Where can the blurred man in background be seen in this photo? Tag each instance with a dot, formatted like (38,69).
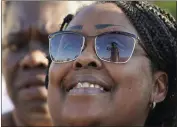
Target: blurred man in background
(25,46)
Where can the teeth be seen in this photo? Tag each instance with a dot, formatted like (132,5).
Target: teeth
(85,84)
(91,85)
(79,85)
(97,86)
(88,85)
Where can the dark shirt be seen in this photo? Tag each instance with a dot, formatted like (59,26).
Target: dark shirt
(7,120)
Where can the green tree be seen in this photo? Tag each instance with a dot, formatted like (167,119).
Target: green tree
(169,6)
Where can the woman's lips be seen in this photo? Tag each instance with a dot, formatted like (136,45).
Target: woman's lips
(87,84)
(85,91)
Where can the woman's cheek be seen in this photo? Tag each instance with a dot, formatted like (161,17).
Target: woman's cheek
(58,71)
(134,76)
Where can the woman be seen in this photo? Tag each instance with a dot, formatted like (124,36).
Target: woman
(87,87)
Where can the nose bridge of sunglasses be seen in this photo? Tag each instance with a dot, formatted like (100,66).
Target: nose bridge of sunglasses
(89,44)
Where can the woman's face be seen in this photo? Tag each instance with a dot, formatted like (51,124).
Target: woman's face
(130,84)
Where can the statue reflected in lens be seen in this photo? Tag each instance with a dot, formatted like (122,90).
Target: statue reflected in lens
(114,52)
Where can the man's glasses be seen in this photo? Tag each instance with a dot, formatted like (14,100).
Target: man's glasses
(116,47)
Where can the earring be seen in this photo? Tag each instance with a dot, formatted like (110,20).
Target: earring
(153,105)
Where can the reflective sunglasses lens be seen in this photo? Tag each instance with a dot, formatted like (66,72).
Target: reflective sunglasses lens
(115,47)
(65,46)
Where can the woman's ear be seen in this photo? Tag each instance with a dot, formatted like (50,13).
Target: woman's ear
(160,86)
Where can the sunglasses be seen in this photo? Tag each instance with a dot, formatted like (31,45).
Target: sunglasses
(116,47)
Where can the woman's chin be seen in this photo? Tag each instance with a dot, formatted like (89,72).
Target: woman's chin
(84,110)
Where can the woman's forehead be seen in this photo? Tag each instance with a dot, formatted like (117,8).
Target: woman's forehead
(97,14)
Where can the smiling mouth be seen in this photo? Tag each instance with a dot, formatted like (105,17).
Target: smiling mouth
(87,88)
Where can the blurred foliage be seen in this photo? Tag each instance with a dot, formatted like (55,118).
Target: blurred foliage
(169,6)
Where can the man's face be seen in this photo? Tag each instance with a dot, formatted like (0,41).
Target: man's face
(26,30)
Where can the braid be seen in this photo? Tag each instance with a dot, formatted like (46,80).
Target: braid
(66,21)
(157,29)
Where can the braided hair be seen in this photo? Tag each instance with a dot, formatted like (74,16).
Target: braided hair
(158,32)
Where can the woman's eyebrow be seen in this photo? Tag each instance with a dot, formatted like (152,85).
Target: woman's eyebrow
(77,27)
(97,26)
(102,26)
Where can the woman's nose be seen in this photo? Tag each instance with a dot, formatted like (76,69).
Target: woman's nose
(87,59)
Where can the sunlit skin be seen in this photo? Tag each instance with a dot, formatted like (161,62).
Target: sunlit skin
(133,87)
(26,27)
